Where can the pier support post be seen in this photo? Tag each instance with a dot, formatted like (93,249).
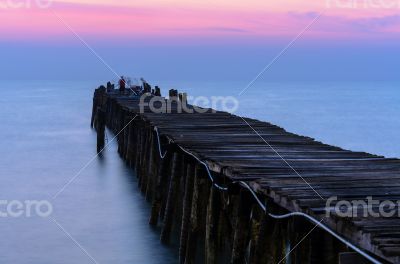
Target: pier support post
(150,169)
(187,207)
(100,125)
(157,91)
(323,248)
(256,218)
(94,110)
(263,251)
(241,228)
(161,181)
(170,207)
(271,244)
(300,238)
(351,258)
(98,101)
(212,225)
(143,159)
(138,152)
(130,155)
(197,218)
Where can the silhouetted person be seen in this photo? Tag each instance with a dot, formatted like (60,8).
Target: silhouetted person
(122,85)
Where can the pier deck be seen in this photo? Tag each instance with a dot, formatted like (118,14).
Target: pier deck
(292,173)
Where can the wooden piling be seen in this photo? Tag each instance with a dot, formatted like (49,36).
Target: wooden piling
(94,110)
(187,207)
(173,94)
(100,128)
(197,217)
(138,148)
(150,168)
(256,218)
(157,91)
(98,101)
(351,258)
(171,199)
(264,248)
(161,181)
(241,228)
(212,226)
(144,173)
(130,155)
(300,240)
(324,248)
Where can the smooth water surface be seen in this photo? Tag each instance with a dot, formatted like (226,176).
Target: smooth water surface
(357,116)
(46,140)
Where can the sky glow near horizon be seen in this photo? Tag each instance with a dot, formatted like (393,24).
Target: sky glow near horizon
(190,39)
(220,19)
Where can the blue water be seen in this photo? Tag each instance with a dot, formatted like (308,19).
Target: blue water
(357,116)
(46,140)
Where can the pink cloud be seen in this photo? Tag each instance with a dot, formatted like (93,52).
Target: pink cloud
(130,23)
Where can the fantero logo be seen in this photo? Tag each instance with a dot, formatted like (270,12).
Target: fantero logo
(27,208)
(199,104)
(366,208)
(363,4)
(19,4)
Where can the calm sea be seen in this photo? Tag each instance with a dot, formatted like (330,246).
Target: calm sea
(46,140)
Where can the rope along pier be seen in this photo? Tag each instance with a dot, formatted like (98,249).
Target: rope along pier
(215,183)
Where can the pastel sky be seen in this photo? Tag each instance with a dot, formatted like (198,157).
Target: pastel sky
(252,19)
(221,39)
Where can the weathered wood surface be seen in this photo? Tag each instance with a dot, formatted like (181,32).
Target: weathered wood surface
(233,151)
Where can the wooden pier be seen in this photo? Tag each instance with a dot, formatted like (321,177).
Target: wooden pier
(209,176)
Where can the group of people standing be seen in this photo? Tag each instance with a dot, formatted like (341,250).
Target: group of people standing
(124,84)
